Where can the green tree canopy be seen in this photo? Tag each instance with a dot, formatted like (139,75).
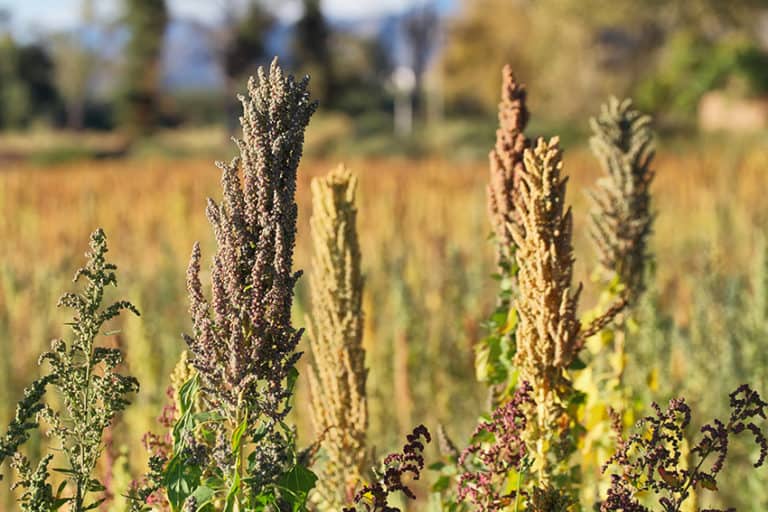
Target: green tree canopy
(146,20)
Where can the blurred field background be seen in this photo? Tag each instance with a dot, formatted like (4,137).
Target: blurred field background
(113,118)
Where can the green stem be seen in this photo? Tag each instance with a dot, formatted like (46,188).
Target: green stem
(683,493)
(620,349)
(519,485)
(82,477)
(540,450)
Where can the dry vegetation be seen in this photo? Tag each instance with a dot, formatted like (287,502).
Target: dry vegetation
(423,233)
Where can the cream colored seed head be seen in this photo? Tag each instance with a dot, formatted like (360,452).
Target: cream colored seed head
(548,330)
(337,378)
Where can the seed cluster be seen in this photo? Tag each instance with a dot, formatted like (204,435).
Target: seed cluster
(506,161)
(547,335)
(337,379)
(620,218)
(499,448)
(244,344)
(651,458)
(393,477)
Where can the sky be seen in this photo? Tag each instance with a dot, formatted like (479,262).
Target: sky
(47,15)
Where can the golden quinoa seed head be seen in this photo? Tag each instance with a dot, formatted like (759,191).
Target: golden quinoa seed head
(548,330)
(338,376)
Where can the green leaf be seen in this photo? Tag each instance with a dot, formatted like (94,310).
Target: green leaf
(510,322)
(297,482)
(96,504)
(65,471)
(577,364)
(60,502)
(436,466)
(483,436)
(482,354)
(441,484)
(293,376)
(96,486)
(577,398)
(237,437)
(188,392)
(499,318)
(203,417)
(204,495)
(180,481)
(234,489)
(265,498)
(186,421)
(61,488)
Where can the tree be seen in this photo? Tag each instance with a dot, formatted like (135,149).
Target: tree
(27,89)
(242,45)
(311,50)
(146,20)
(74,68)
(14,100)
(362,69)
(5,19)
(420,29)
(572,51)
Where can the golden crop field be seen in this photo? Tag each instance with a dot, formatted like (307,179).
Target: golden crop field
(412,256)
(427,260)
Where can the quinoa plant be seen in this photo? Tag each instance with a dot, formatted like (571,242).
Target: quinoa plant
(496,462)
(506,163)
(620,220)
(536,335)
(396,470)
(651,461)
(549,335)
(620,223)
(86,379)
(495,353)
(24,421)
(337,379)
(232,447)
